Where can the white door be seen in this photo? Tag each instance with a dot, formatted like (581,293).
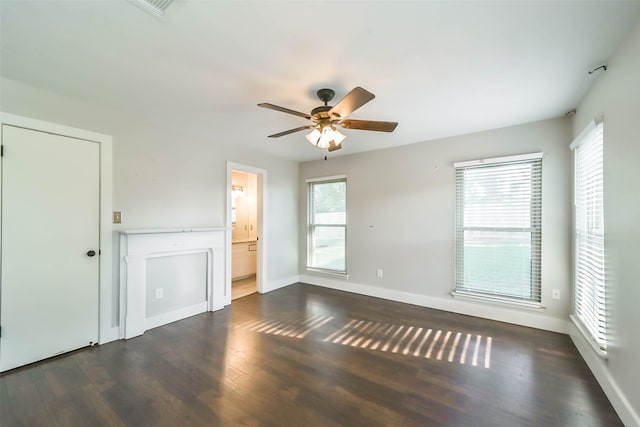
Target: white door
(50,223)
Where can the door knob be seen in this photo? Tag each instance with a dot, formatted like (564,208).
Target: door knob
(91,253)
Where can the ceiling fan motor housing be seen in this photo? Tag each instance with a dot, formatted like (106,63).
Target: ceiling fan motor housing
(326,95)
(321,112)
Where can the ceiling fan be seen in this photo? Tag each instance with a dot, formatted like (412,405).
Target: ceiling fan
(325,118)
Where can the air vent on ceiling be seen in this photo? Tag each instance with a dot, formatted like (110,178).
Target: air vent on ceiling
(157,7)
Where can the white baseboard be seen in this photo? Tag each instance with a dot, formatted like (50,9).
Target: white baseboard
(173,316)
(280,283)
(470,308)
(629,417)
(109,334)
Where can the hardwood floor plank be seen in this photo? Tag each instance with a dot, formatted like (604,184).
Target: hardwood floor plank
(309,356)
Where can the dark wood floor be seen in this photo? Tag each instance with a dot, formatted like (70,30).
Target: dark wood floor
(308,356)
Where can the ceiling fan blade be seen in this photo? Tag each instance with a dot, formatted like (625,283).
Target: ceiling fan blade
(368,125)
(284,110)
(287,132)
(350,103)
(333,146)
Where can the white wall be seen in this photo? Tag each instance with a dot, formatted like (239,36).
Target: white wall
(166,177)
(401,213)
(616,96)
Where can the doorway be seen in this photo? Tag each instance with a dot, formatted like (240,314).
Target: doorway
(244,233)
(245,219)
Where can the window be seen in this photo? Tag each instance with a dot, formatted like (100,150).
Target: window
(327,224)
(498,228)
(589,255)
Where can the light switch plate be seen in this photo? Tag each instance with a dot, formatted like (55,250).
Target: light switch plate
(117,217)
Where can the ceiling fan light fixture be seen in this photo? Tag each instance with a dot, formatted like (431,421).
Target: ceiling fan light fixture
(338,137)
(322,135)
(314,136)
(326,137)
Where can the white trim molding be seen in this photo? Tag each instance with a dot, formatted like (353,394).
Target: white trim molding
(505,159)
(507,302)
(578,140)
(598,367)
(487,311)
(326,178)
(328,273)
(174,316)
(577,323)
(136,247)
(280,283)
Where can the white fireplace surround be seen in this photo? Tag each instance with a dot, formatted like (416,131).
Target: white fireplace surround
(137,246)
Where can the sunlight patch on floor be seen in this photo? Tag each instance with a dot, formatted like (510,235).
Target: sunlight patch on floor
(452,346)
(296,328)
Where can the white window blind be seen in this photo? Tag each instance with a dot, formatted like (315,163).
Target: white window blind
(589,255)
(327,225)
(498,228)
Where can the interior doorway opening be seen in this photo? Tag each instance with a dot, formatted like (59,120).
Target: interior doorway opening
(246,236)
(244,233)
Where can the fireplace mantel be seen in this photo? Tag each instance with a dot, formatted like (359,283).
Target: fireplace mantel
(137,246)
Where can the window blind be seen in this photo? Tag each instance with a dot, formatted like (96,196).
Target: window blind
(589,253)
(498,228)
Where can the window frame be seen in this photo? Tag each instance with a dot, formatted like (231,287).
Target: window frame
(311,225)
(535,230)
(592,133)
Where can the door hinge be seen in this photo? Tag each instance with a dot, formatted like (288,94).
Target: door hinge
(1,150)
(99,252)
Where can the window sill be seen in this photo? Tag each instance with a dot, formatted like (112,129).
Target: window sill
(533,306)
(328,273)
(587,336)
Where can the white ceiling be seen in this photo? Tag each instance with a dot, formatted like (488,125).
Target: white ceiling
(438,68)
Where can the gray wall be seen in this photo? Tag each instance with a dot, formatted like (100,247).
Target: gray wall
(401,213)
(182,278)
(165,176)
(616,96)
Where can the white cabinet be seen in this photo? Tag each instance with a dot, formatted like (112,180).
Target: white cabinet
(243,263)
(253,257)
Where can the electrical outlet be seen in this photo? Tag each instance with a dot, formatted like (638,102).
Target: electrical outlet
(159,293)
(117,217)
(379,273)
(555,294)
